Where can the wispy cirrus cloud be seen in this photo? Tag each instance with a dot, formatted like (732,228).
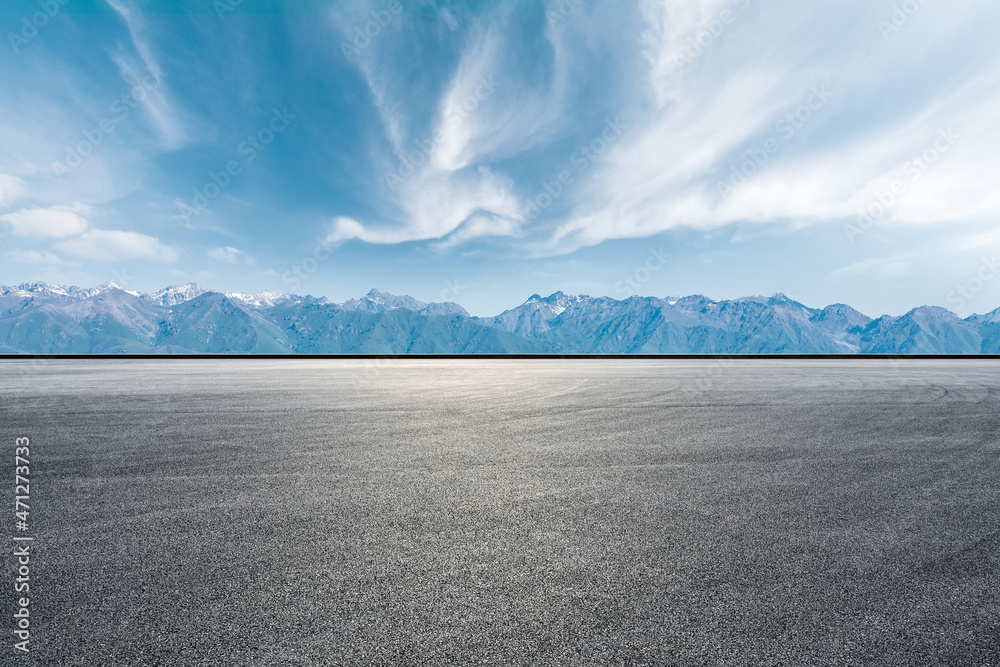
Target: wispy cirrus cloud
(155,100)
(440,176)
(823,160)
(715,85)
(877,267)
(38,258)
(676,33)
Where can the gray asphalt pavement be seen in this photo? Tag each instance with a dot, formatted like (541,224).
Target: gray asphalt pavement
(525,512)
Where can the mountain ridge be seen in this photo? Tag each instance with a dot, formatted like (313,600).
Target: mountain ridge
(38,318)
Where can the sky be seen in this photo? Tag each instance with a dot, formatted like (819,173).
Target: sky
(836,151)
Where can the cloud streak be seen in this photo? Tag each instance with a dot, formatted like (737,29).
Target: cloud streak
(115,245)
(154,98)
(231,255)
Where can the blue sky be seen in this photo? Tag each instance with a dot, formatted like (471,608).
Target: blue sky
(836,151)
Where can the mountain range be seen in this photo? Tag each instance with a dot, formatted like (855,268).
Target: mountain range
(37,318)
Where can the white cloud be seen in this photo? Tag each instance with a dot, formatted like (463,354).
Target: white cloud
(654,177)
(34,257)
(115,245)
(940,186)
(703,84)
(58,222)
(148,77)
(232,255)
(11,188)
(676,32)
(461,114)
(714,110)
(478,226)
(438,204)
(487,111)
(344,228)
(490,110)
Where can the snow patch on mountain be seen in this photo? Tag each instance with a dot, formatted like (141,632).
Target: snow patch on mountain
(266,299)
(174,295)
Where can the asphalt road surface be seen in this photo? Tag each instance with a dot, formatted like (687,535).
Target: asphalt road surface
(556,512)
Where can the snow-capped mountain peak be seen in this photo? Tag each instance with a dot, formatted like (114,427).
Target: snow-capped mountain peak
(174,295)
(264,299)
(106,287)
(41,290)
(376,301)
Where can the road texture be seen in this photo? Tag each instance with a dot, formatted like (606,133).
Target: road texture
(530,512)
